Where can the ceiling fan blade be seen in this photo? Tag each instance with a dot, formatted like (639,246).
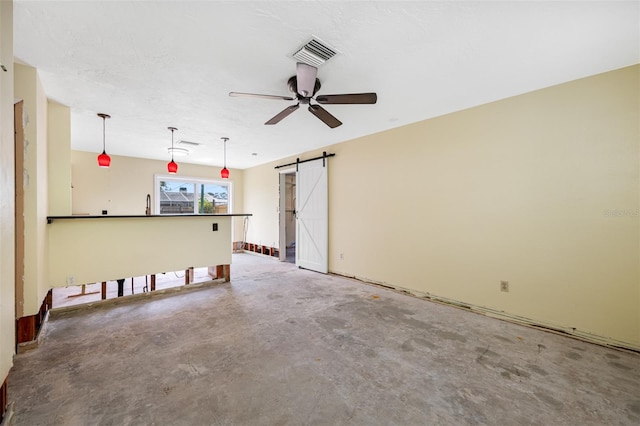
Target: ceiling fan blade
(256,95)
(282,114)
(353,98)
(306,79)
(324,115)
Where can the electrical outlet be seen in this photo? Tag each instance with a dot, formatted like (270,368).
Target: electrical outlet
(504,286)
(215,227)
(71,280)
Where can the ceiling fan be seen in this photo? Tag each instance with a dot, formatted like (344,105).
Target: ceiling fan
(305,84)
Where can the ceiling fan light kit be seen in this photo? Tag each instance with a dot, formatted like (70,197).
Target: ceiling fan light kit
(305,85)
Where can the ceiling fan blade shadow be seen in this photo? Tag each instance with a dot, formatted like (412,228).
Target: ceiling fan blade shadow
(351,98)
(257,95)
(282,114)
(324,115)
(306,79)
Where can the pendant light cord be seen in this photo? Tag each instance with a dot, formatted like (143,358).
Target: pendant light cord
(172,129)
(104,120)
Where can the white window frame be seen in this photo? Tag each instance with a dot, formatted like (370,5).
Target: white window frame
(195,180)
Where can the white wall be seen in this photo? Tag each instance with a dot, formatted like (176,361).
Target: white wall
(7,193)
(541,190)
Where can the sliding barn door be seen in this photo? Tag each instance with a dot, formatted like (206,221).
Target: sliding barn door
(312,225)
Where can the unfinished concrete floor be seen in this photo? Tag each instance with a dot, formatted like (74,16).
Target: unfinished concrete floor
(283,346)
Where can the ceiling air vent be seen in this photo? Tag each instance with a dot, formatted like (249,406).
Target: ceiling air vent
(314,52)
(183,142)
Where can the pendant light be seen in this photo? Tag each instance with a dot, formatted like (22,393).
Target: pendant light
(172,166)
(224,173)
(103,159)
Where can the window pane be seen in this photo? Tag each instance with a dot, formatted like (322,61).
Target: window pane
(176,197)
(213,198)
(192,196)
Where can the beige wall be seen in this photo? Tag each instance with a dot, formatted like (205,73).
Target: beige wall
(122,188)
(92,250)
(27,86)
(263,202)
(541,190)
(59,159)
(7,193)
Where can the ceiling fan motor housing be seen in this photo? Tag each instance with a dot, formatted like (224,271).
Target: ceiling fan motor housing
(293,87)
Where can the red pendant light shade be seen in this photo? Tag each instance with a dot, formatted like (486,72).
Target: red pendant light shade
(172,166)
(103,159)
(224,173)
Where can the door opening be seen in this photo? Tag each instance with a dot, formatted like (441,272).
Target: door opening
(288,216)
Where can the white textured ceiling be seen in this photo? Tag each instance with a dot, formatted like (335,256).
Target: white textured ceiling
(154,64)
